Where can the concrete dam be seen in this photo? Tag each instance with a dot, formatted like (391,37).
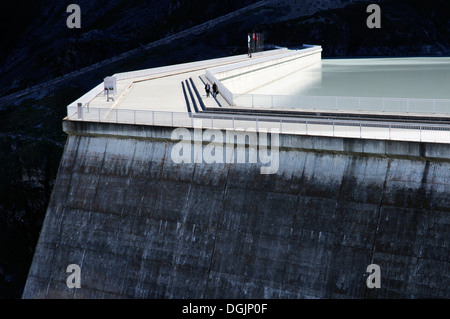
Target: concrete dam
(140,224)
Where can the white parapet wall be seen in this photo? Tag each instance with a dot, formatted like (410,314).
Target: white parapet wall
(243,77)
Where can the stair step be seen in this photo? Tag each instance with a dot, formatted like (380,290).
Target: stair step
(191,97)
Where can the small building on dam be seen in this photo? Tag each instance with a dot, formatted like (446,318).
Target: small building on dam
(167,191)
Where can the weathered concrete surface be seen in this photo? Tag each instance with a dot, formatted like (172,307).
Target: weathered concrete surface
(241,78)
(141,226)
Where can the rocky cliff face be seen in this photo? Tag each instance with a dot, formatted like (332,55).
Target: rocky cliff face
(36,46)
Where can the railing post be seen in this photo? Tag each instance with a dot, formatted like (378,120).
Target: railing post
(233,121)
(117,116)
(253,100)
(360,130)
(212,122)
(420,133)
(281,125)
(434,106)
(389,130)
(333,128)
(306,127)
(172,118)
(256,124)
(153,118)
(134,117)
(336,99)
(407,106)
(271,101)
(80,111)
(99,116)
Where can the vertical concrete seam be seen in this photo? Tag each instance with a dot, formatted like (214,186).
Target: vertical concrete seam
(380,205)
(328,283)
(291,238)
(139,289)
(179,247)
(163,161)
(101,166)
(81,267)
(216,230)
(129,174)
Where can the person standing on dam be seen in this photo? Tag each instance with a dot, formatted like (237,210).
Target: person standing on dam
(207,89)
(215,89)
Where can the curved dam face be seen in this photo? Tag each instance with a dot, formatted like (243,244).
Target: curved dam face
(140,226)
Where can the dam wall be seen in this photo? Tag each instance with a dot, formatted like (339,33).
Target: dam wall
(141,226)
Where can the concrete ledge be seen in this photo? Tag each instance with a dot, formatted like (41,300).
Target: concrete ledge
(244,77)
(409,118)
(421,151)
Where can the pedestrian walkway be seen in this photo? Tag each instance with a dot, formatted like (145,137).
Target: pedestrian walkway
(161,90)
(175,96)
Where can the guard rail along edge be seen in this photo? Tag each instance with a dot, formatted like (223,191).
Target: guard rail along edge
(333,128)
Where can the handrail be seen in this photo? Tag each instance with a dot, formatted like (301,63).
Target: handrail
(435,133)
(344,103)
(86,98)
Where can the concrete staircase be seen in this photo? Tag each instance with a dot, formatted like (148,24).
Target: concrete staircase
(195,96)
(194,102)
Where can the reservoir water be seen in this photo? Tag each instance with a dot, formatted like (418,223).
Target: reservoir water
(416,77)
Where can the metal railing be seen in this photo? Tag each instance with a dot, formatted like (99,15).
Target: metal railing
(343,103)
(283,125)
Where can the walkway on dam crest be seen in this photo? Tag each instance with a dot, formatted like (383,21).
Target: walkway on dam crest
(175,96)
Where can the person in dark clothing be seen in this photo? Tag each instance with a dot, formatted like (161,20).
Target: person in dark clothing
(207,89)
(215,89)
